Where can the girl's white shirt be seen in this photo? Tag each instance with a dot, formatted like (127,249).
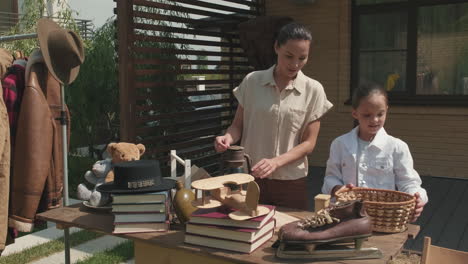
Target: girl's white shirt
(386,164)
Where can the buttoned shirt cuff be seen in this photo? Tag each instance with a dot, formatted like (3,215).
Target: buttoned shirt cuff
(423,194)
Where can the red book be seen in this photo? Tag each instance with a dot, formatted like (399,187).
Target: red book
(239,246)
(233,233)
(220,217)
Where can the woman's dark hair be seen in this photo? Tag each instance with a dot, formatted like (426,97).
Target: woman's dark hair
(366,89)
(293,31)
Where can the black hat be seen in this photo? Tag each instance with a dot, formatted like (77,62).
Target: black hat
(138,176)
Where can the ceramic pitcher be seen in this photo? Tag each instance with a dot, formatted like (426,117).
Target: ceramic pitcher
(233,160)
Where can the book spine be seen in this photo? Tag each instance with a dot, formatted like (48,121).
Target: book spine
(137,201)
(230,246)
(138,212)
(222,219)
(166,223)
(145,222)
(219,238)
(140,231)
(158,197)
(220,222)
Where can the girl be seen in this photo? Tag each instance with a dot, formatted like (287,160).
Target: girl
(369,157)
(278,120)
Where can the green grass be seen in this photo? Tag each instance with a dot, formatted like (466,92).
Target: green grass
(120,253)
(48,248)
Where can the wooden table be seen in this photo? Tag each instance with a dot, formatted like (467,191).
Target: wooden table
(168,247)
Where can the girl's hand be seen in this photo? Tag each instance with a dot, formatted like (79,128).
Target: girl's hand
(418,208)
(222,143)
(264,168)
(340,187)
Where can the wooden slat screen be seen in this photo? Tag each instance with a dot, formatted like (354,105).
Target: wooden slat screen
(178,63)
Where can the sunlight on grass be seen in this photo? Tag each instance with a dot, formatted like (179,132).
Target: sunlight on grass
(120,253)
(48,248)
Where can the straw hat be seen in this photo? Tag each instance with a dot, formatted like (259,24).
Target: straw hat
(62,50)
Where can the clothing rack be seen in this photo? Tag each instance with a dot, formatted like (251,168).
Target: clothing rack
(18,37)
(63,122)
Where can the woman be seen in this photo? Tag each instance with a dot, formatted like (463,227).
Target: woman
(278,120)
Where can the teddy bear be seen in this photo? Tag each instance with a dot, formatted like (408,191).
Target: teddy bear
(96,176)
(102,171)
(121,152)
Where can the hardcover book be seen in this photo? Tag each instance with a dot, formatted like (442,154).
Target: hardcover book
(139,217)
(141,227)
(155,197)
(220,217)
(138,207)
(233,233)
(244,247)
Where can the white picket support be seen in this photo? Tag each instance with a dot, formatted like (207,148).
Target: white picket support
(187,173)
(173,156)
(187,168)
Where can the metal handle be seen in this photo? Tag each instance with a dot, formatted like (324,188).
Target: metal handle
(249,161)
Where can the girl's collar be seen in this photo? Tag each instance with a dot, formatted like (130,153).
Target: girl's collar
(378,141)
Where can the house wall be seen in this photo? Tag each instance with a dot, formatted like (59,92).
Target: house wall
(437,136)
(5,6)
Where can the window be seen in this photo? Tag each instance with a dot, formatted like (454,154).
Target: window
(417,49)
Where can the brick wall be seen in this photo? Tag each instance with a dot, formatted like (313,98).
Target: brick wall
(437,136)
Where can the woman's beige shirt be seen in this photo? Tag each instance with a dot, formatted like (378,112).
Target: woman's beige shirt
(274,121)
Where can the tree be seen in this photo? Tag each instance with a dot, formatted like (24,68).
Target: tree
(93,97)
(32,11)
(202,58)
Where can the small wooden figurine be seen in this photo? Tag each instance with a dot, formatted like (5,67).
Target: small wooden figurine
(246,201)
(321,201)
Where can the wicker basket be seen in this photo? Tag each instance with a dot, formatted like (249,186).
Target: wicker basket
(390,211)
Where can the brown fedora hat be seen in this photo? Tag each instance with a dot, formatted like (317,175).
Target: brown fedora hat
(62,50)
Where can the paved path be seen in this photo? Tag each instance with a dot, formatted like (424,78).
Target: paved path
(77,253)
(35,239)
(83,251)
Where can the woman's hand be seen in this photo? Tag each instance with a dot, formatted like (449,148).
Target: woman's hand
(418,208)
(264,168)
(222,143)
(233,133)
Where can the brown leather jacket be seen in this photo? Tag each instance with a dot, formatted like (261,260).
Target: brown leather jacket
(37,178)
(4,170)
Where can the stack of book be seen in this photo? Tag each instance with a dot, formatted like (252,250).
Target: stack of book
(142,212)
(213,228)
